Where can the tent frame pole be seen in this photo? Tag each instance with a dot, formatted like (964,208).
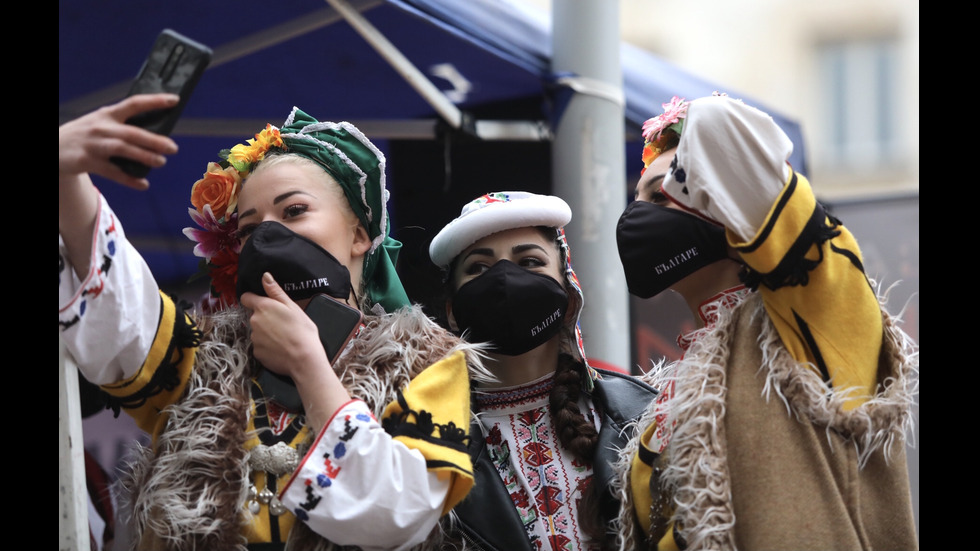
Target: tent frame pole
(450,113)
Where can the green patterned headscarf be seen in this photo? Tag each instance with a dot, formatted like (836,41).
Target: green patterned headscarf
(349,157)
(359,167)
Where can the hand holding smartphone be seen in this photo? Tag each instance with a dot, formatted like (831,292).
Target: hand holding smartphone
(175,65)
(338,324)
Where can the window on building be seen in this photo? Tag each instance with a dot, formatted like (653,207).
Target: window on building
(859,94)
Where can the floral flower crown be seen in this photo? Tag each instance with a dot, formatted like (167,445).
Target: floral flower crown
(654,136)
(215,211)
(655,129)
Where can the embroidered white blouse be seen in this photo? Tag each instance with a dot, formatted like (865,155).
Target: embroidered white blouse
(544,480)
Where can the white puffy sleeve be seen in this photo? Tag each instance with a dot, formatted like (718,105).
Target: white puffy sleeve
(359,486)
(109,318)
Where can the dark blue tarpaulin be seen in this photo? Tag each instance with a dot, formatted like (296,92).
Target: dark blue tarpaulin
(270,56)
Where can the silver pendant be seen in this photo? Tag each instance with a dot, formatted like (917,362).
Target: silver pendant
(278,460)
(274,460)
(276,507)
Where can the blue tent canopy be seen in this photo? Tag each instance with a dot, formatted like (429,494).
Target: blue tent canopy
(272,56)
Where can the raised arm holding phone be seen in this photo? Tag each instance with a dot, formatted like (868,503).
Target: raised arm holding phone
(229,467)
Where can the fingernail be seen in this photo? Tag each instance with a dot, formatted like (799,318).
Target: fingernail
(267,278)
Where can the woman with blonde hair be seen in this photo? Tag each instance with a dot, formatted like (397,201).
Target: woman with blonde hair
(259,440)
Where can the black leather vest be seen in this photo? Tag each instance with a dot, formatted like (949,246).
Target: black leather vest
(487,515)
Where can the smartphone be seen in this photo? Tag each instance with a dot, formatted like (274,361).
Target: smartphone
(338,323)
(175,65)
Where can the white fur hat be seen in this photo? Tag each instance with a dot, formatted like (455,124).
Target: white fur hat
(496,212)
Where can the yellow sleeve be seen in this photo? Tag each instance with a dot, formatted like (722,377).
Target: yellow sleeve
(161,379)
(432,415)
(810,272)
(641,469)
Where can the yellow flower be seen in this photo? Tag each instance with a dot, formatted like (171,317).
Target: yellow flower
(243,156)
(269,136)
(219,188)
(649,154)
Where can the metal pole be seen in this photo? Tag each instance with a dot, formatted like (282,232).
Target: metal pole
(73,517)
(449,112)
(589,167)
(488,130)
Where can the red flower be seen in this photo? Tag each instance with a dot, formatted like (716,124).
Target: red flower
(223,269)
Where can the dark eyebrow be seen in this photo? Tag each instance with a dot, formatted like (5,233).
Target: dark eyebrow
(526,247)
(487,251)
(482,252)
(657,178)
(276,201)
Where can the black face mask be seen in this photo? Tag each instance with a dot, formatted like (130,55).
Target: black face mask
(510,307)
(301,267)
(660,246)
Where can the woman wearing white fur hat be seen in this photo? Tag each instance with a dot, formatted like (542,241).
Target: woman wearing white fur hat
(549,427)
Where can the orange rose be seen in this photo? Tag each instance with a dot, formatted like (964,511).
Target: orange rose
(219,188)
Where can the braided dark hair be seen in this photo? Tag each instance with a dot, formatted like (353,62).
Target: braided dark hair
(576,432)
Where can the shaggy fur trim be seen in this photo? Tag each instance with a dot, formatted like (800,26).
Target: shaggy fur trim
(447,536)
(170,490)
(398,347)
(881,423)
(629,535)
(188,491)
(697,474)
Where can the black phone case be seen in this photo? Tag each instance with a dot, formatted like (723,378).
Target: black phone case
(175,65)
(338,323)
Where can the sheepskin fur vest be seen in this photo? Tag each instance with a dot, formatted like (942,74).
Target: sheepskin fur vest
(763,454)
(188,490)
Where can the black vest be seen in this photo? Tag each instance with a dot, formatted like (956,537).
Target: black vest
(487,515)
